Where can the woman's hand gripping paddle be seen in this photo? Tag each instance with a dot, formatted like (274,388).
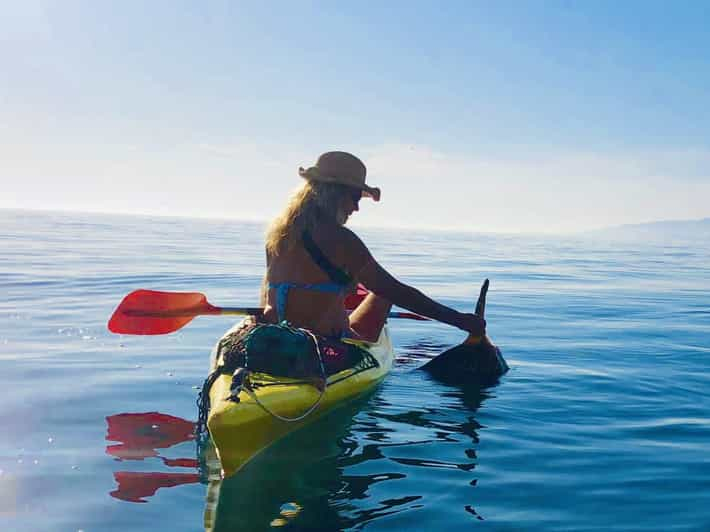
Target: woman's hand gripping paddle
(154,312)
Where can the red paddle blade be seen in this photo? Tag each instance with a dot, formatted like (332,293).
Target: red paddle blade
(153,312)
(354,299)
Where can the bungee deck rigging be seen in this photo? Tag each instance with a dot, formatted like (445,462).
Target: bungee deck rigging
(267,380)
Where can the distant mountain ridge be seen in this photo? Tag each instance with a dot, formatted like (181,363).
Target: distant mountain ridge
(660,229)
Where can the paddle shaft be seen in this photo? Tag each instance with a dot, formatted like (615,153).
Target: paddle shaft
(154,312)
(238,311)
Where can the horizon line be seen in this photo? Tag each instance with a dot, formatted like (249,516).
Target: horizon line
(264,221)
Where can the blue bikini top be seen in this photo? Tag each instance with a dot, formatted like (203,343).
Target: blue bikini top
(340,280)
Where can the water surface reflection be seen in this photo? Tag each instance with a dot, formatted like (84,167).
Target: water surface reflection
(372,460)
(407,446)
(140,435)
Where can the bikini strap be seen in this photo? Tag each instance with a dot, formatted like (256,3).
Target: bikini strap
(336,274)
(283,288)
(281,296)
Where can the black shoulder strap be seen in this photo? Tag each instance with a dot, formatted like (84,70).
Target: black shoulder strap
(336,274)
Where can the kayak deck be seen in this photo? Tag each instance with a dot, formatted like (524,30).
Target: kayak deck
(241,430)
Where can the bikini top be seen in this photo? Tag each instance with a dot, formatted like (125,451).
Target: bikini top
(340,280)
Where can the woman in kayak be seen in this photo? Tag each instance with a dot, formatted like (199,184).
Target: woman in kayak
(314,261)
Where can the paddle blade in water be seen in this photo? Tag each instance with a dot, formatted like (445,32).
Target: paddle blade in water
(476,360)
(153,312)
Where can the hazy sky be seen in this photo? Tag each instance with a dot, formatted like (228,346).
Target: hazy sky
(490,116)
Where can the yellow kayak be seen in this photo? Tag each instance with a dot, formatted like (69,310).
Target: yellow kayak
(243,421)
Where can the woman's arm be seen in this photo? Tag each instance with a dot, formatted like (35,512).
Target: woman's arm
(264,295)
(264,292)
(378,280)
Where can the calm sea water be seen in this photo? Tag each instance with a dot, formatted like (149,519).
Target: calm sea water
(602,423)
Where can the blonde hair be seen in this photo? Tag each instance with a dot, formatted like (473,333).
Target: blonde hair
(312,204)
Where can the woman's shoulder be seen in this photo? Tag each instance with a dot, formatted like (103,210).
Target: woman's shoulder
(345,247)
(340,236)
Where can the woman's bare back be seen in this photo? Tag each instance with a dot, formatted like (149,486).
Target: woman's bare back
(317,310)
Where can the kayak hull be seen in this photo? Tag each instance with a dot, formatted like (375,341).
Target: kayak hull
(241,430)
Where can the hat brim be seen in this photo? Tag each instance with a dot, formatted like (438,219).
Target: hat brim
(371,192)
(312,174)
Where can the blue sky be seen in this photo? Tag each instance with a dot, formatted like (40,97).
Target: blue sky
(487,116)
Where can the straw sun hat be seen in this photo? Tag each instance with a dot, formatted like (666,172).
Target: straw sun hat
(342,168)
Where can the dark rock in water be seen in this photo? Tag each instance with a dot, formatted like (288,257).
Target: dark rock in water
(476,360)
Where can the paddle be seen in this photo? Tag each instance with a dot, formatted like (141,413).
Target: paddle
(154,312)
(476,360)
